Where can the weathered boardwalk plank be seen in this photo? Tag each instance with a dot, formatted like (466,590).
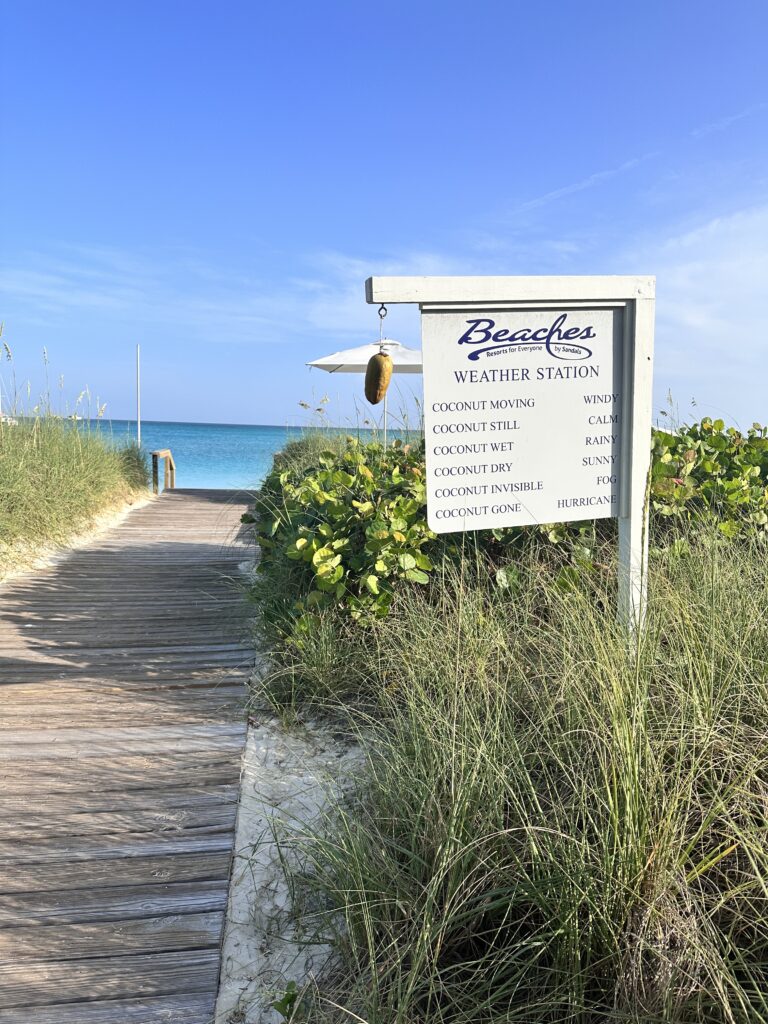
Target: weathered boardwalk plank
(121,730)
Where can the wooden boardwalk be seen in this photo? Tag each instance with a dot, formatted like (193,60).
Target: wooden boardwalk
(121,730)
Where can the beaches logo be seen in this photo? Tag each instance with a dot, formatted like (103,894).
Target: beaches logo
(557,340)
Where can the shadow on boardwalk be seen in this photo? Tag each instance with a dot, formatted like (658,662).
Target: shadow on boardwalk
(121,731)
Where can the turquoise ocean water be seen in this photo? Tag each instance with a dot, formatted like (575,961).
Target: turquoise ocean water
(209,454)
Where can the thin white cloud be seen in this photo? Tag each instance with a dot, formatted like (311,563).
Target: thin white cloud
(725,122)
(103,291)
(712,343)
(109,288)
(335,297)
(599,177)
(63,287)
(581,186)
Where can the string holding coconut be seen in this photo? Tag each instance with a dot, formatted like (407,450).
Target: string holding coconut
(378,373)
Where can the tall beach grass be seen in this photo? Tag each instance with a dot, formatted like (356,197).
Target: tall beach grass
(553,825)
(57,473)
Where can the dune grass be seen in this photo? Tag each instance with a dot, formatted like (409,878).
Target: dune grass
(56,475)
(553,826)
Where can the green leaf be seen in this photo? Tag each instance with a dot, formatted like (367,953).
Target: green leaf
(730,528)
(286,1005)
(328,580)
(322,554)
(507,578)
(664,439)
(329,566)
(417,576)
(372,583)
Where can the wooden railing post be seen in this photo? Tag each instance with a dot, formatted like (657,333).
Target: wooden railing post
(169,472)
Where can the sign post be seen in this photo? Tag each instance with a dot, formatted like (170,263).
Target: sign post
(537,405)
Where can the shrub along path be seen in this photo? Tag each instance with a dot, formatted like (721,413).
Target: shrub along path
(121,730)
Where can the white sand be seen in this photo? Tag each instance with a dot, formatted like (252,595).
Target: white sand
(289,777)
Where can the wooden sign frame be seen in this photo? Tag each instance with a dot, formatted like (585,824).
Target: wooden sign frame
(635,296)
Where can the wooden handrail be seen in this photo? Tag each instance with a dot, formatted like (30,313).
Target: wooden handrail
(170,469)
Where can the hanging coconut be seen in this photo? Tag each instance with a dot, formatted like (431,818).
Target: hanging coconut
(377,377)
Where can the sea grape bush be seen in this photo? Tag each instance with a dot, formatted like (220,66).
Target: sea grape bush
(355,522)
(706,467)
(351,526)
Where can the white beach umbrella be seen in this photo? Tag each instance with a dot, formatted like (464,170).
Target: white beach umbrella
(355,360)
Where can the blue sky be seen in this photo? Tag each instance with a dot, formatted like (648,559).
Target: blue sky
(217,180)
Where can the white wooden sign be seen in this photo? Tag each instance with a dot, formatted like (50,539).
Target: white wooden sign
(521,416)
(537,404)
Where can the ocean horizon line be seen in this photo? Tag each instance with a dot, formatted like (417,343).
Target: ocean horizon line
(209,423)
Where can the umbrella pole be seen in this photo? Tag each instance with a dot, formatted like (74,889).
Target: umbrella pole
(385,420)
